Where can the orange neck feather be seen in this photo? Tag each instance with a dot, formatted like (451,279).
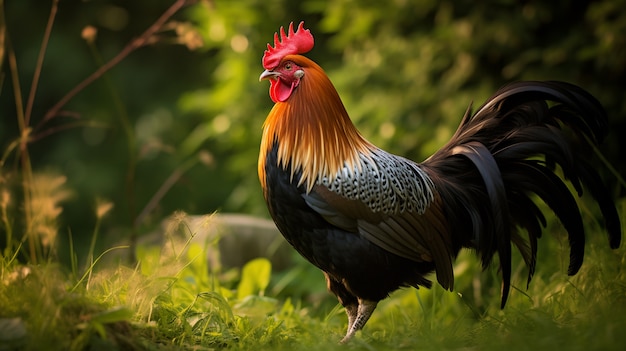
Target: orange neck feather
(313,130)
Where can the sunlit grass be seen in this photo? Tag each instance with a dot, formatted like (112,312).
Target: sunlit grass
(170,300)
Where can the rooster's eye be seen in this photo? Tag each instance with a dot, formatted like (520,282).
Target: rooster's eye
(288,66)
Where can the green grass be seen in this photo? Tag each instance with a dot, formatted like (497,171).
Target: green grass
(171,301)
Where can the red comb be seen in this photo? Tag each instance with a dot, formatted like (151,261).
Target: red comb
(297,42)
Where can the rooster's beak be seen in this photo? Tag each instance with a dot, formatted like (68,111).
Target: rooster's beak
(267,74)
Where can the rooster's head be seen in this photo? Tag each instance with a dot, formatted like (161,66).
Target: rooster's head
(284,74)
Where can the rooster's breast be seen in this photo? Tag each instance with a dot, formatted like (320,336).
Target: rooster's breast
(368,271)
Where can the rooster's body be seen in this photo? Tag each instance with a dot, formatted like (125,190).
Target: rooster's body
(374,222)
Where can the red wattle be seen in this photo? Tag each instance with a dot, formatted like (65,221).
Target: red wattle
(279,91)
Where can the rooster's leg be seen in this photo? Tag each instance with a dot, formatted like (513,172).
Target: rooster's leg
(356,322)
(352,312)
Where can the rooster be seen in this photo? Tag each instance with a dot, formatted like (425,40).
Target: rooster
(374,222)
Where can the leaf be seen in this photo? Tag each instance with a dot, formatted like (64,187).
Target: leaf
(255,306)
(148,257)
(255,276)
(99,321)
(117,314)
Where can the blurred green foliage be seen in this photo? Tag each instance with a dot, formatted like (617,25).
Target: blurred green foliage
(176,124)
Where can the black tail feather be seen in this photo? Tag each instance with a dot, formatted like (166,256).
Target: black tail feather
(541,181)
(500,235)
(514,146)
(531,218)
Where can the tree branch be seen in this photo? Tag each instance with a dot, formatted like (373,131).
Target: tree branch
(39,66)
(138,42)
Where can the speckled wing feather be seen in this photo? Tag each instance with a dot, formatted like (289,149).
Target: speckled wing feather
(391,202)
